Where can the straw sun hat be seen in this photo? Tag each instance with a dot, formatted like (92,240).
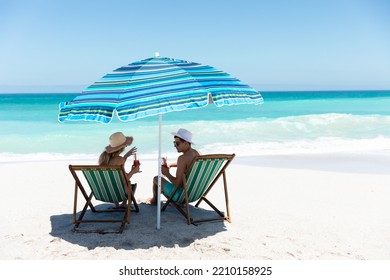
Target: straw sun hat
(118,141)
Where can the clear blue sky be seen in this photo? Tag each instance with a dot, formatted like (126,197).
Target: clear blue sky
(66,45)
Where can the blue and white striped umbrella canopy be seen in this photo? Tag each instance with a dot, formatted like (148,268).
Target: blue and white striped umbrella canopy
(155,86)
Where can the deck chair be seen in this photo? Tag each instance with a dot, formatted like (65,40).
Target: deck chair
(107,184)
(204,172)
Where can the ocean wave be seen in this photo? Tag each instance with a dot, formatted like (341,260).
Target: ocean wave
(321,145)
(259,135)
(73,158)
(296,128)
(317,146)
(34,157)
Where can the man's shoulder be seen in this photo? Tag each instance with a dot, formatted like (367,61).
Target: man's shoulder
(181,158)
(185,158)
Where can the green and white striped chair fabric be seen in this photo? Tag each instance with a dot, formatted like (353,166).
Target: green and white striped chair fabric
(199,178)
(106,184)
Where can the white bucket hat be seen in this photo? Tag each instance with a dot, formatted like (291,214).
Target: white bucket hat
(118,141)
(184,134)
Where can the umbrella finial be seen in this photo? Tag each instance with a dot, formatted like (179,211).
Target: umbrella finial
(156,54)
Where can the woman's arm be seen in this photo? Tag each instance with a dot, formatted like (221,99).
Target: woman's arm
(134,170)
(131,152)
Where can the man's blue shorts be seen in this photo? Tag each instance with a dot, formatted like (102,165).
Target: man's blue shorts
(169,188)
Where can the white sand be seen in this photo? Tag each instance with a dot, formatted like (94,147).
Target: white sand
(334,206)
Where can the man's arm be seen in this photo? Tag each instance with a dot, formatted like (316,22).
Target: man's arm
(181,167)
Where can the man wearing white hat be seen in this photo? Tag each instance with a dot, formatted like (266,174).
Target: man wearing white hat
(182,142)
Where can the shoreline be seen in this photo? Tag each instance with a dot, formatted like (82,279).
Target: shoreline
(350,161)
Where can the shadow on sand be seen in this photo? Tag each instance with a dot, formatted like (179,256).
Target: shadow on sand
(141,233)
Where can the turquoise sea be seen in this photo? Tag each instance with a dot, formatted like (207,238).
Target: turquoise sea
(287,122)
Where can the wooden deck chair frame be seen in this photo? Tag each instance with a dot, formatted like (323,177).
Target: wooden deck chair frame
(99,192)
(190,182)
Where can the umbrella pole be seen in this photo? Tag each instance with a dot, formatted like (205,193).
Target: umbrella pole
(159,172)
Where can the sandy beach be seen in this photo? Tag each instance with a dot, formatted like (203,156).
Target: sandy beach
(294,207)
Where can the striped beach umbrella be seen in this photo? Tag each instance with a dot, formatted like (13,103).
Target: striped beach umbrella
(156,86)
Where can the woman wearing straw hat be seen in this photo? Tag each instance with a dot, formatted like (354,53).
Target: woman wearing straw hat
(111,154)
